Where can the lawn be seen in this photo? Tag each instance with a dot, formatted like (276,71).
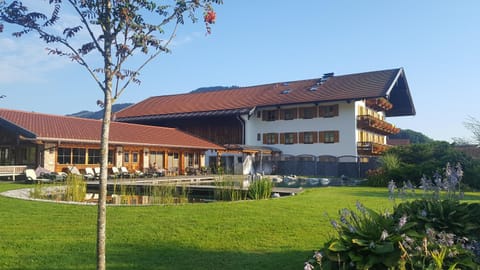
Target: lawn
(268,234)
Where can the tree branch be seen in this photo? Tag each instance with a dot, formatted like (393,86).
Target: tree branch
(87,25)
(148,60)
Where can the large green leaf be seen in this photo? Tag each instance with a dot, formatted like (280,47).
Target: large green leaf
(337,246)
(385,247)
(361,242)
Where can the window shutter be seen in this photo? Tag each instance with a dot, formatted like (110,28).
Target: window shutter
(336,136)
(321,111)
(301,112)
(315,137)
(335,110)
(321,137)
(276,138)
(295,113)
(295,138)
(282,138)
(264,138)
(315,112)
(301,137)
(264,115)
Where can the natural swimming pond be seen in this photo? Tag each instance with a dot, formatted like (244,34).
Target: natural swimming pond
(163,191)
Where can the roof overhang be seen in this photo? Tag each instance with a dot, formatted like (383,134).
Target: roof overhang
(119,143)
(16,129)
(399,95)
(251,149)
(218,113)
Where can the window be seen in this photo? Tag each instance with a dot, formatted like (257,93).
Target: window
(270,115)
(270,138)
(126,157)
(192,160)
(110,156)
(288,138)
(172,160)
(157,158)
(259,137)
(308,113)
(331,136)
(308,137)
(94,156)
(78,156)
(289,114)
(64,155)
(328,111)
(135,157)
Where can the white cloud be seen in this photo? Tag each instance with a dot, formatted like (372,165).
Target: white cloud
(25,59)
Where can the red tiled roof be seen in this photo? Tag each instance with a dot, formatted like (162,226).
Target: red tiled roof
(346,87)
(73,129)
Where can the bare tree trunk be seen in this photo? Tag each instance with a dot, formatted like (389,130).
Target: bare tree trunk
(102,202)
(107,90)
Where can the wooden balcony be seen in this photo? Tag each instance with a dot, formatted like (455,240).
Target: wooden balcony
(370,123)
(379,104)
(371,148)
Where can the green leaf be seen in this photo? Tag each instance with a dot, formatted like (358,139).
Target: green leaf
(337,246)
(361,242)
(383,248)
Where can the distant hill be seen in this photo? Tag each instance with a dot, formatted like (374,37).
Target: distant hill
(213,88)
(412,136)
(118,107)
(99,114)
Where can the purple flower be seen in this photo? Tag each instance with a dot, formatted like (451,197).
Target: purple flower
(334,223)
(402,221)
(308,266)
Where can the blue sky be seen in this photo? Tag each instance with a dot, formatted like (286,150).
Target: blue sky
(437,42)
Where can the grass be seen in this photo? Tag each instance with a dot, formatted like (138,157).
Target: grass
(265,234)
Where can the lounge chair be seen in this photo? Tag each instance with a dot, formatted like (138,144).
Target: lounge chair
(125,173)
(54,176)
(96,170)
(89,174)
(73,170)
(115,173)
(139,173)
(32,177)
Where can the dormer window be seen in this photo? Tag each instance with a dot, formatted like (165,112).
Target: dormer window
(284,92)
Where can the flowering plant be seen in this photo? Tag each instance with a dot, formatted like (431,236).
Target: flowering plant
(428,233)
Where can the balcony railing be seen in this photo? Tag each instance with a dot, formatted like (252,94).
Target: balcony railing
(379,104)
(371,148)
(370,123)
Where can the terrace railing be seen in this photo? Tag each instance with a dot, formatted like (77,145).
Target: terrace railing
(11,171)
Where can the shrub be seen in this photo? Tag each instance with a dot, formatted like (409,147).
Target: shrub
(366,240)
(76,188)
(260,189)
(461,219)
(423,234)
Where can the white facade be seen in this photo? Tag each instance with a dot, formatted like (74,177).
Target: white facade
(344,123)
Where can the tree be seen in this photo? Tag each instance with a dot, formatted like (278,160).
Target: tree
(413,136)
(116,30)
(473,125)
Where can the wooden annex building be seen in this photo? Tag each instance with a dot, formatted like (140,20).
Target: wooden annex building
(58,142)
